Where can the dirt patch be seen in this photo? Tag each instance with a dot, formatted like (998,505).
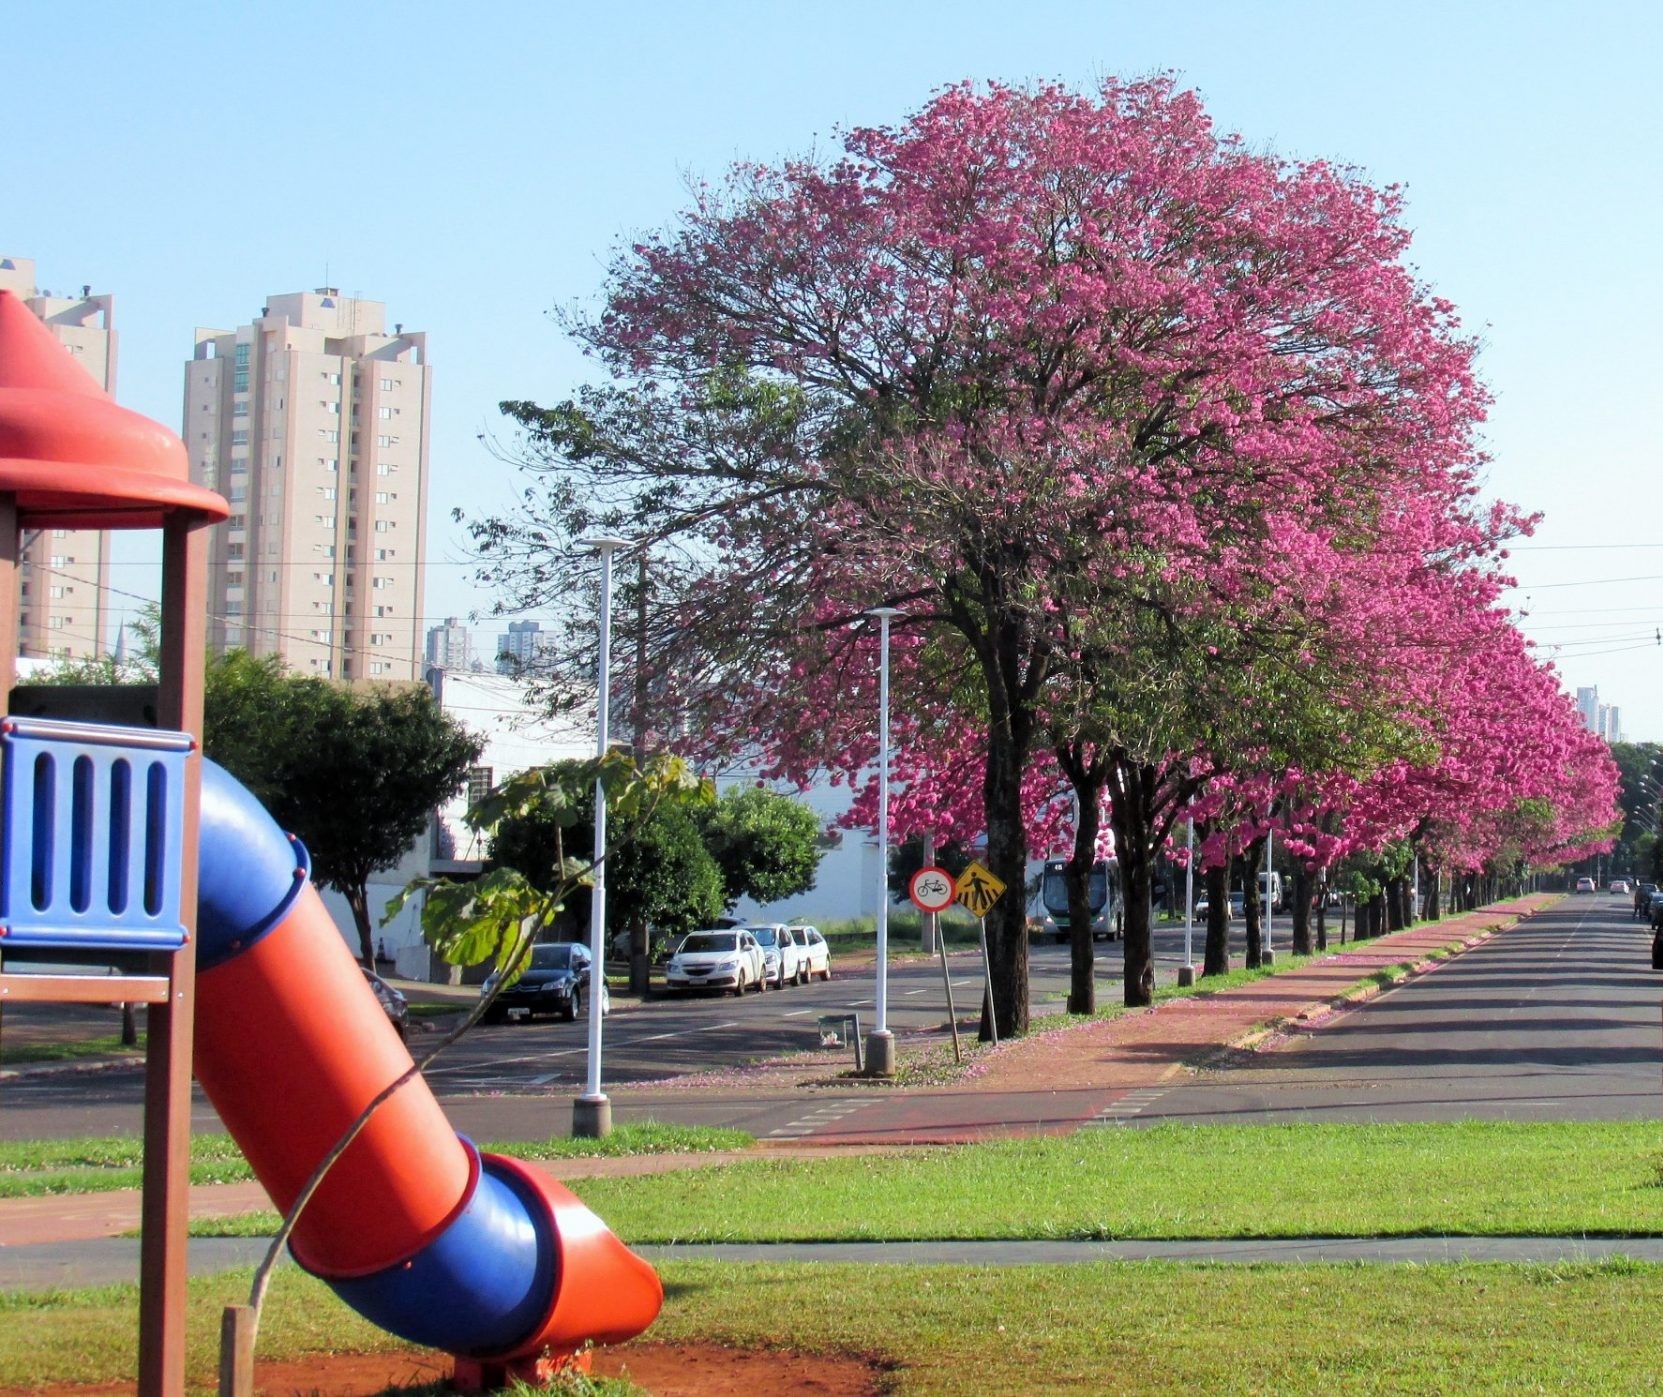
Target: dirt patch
(665,1370)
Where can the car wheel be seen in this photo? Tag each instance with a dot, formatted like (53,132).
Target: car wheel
(802,975)
(575,1007)
(739,985)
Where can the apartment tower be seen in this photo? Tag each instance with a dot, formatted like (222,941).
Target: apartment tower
(65,577)
(313,422)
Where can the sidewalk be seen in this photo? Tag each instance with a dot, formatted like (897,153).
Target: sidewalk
(1051,1082)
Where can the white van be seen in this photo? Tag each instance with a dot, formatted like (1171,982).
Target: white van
(1270,891)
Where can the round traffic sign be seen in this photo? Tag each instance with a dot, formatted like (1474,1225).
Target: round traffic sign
(932,889)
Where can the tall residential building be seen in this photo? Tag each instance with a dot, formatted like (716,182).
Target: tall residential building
(1610,722)
(313,422)
(521,646)
(65,578)
(450,647)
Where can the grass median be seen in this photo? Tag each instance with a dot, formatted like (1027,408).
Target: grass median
(1470,1178)
(1467,1178)
(1123,1327)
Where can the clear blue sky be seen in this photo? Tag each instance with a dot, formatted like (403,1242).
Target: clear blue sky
(472,167)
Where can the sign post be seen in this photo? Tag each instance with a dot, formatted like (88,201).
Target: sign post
(977,891)
(932,891)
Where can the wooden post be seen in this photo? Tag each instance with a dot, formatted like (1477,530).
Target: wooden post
(167,1059)
(236,1351)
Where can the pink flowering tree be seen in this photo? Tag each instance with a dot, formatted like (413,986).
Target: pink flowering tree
(1083,386)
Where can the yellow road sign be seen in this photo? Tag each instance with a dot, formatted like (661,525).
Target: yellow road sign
(978,890)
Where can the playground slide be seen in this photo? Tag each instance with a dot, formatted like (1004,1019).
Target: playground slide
(471,1253)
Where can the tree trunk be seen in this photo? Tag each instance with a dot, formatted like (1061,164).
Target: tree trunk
(1082,979)
(1007,857)
(1394,904)
(1216,958)
(1301,910)
(358,899)
(1322,910)
(1252,856)
(1131,791)
(640,961)
(1377,914)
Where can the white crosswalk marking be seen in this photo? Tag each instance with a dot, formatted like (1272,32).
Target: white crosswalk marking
(829,1114)
(1132,1104)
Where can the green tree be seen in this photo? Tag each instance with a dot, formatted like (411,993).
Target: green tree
(766,845)
(659,870)
(356,774)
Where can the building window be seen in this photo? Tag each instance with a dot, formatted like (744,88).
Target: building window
(480,781)
(376,667)
(328,491)
(335,379)
(332,464)
(239,436)
(329,434)
(333,408)
(387,384)
(384,412)
(239,409)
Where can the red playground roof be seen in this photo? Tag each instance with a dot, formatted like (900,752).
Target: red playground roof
(70,454)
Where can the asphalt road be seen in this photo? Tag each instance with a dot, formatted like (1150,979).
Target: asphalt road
(1558,1019)
(498,1074)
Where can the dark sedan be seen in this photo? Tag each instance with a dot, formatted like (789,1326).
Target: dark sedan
(554,982)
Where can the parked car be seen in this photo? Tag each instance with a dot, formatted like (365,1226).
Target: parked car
(1238,905)
(1585,885)
(1620,885)
(392,1002)
(783,962)
(554,981)
(717,960)
(816,953)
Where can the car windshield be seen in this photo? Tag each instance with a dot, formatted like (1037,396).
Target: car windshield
(709,941)
(765,935)
(555,957)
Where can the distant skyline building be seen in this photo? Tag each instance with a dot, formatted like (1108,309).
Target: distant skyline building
(1605,719)
(521,646)
(450,648)
(313,422)
(64,580)
(1587,706)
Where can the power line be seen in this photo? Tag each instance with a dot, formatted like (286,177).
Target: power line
(1590,582)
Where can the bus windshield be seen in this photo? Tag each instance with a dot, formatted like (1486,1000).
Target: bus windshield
(1053,887)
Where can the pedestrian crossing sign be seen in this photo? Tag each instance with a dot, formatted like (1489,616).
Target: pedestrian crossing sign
(978,890)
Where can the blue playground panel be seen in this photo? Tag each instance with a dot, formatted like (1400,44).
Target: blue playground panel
(92,849)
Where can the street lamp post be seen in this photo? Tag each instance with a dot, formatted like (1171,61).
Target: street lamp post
(1186,971)
(592,1112)
(880,1043)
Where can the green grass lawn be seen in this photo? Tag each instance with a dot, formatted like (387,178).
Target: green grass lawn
(1464,1178)
(1099,1327)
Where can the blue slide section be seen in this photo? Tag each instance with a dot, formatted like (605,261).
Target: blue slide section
(483,1285)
